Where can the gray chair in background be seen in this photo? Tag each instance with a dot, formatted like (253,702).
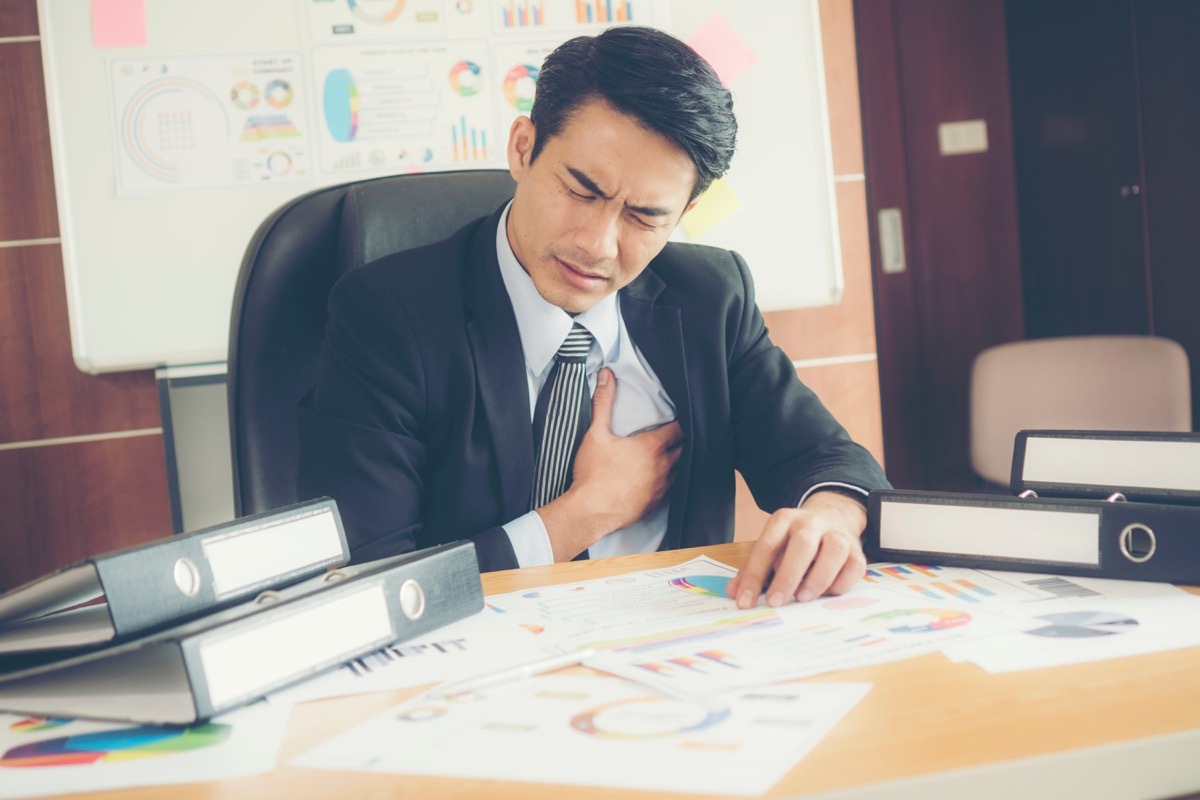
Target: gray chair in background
(1125,383)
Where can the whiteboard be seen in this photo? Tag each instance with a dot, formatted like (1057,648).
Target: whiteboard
(169,151)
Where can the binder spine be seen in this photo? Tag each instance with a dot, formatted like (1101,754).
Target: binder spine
(1089,538)
(1143,466)
(265,652)
(174,579)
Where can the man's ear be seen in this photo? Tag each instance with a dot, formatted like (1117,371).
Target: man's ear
(521,137)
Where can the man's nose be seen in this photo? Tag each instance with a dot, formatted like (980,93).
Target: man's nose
(599,232)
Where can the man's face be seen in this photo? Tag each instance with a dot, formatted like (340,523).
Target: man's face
(598,204)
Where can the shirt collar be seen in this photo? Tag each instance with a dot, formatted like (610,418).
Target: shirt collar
(542,325)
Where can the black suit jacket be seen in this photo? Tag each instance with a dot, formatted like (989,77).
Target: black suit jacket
(419,425)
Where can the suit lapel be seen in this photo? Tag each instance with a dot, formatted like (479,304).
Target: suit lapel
(657,330)
(500,369)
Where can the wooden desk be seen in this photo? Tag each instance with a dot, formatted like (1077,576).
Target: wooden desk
(929,728)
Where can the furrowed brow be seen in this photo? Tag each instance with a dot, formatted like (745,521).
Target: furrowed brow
(587,183)
(590,185)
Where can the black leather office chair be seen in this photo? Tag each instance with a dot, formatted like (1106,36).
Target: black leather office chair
(279,313)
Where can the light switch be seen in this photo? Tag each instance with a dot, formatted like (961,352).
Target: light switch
(967,136)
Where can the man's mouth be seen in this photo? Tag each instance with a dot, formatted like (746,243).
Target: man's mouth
(577,276)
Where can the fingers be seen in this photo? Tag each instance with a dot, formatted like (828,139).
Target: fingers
(837,568)
(798,556)
(668,437)
(748,584)
(602,401)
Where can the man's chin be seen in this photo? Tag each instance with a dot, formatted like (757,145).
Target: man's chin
(575,302)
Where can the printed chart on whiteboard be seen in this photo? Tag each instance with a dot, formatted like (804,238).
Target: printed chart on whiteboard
(209,123)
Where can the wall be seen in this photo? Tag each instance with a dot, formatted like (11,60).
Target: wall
(834,347)
(81,458)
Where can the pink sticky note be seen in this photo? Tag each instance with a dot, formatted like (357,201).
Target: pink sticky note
(118,23)
(720,46)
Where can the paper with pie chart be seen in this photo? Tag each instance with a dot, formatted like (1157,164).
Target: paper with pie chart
(1075,630)
(212,122)
(42,756)
(598,731)
(406,107)
(682,603)
(676,629)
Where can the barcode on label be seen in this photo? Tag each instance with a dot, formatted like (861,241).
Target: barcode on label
(387,656)
(1061,587)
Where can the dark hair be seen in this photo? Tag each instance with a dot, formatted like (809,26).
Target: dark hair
(649,75)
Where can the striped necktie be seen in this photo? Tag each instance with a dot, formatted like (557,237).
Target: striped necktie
(561,417)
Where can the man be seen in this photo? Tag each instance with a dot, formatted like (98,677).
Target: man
(440,411)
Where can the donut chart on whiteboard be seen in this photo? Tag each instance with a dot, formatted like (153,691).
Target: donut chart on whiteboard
(377,10)
(465,78)
(279,93)
(341,103)
(519,86)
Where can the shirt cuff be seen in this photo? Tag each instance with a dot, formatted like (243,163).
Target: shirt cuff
(530,541)
(848,489)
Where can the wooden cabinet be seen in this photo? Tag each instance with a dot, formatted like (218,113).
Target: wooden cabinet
(923,65)
(1105,131)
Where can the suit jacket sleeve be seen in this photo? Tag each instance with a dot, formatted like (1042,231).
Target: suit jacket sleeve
(363,433)
(786,441)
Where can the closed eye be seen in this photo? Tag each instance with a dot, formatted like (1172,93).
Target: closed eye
(642,223)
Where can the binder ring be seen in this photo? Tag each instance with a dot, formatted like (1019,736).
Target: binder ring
(1028,494)
(187,577)
(1126,542)
(268,596)
(412,599)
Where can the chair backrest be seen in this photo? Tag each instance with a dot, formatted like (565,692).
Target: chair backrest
(279,312)
(1127,383)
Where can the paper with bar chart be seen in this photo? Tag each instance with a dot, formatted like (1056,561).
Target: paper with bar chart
(42,756)
(683,603)
(677,631)
(451,652)
(598,731)
(406,108)
(865,626)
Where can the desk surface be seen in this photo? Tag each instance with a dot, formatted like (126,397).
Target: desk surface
(1128,727)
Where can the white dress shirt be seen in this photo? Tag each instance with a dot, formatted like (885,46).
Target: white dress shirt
(641,401)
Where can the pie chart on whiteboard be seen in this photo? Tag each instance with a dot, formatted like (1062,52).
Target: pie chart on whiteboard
(340,101)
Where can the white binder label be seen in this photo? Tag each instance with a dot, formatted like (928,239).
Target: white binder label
(266,655)
(253,556)
(1067,537)
(1113,463)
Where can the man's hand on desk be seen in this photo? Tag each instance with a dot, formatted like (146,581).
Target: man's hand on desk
(811,550)
(615,480)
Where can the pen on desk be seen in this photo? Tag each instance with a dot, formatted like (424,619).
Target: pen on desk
(513,673)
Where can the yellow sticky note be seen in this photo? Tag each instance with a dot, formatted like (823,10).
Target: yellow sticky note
(718,202)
